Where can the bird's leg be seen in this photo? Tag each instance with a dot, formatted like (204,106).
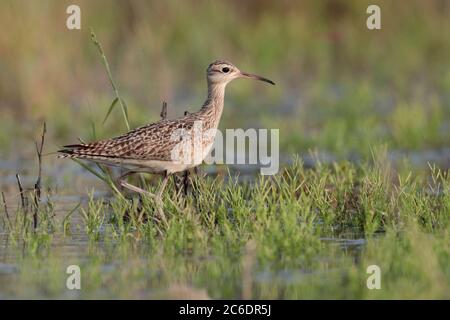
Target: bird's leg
(118,181)
(181,183)
(193,182)
(131,187)
(176,183)
(163,186)
(157,197)
(186,182)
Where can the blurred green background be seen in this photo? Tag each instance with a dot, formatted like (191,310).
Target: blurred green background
(341,88)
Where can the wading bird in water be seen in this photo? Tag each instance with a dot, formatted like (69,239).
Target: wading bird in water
(150,148)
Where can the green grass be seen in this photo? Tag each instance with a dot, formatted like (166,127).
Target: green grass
(269,235)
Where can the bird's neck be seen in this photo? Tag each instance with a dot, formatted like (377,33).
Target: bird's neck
(214,102)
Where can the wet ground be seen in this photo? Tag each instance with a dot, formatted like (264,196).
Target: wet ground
(68,185)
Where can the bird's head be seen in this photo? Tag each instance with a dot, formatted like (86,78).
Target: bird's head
(222,72)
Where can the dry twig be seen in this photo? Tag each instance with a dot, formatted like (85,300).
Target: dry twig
(38,184)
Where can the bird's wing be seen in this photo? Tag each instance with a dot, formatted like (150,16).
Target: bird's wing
(151,142)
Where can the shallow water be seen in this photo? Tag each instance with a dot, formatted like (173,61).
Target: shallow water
(71,185)
(57,170)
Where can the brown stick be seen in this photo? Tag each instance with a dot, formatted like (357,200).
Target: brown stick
(22,195)
(163,113)
(37,185)
(23,199)
(6,208)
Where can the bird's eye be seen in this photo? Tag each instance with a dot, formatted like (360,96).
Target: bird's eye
(225,70)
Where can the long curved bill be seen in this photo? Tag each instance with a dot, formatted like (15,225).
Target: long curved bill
(256,77)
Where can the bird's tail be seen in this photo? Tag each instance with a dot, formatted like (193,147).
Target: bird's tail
(91,152)
(75,151)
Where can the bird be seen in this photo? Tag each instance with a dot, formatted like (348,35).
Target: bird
(166,146)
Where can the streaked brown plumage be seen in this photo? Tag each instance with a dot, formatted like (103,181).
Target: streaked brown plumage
(149,142)
(152,143)
(149,148)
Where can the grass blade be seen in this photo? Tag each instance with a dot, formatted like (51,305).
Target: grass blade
(113,84)
(111,107)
